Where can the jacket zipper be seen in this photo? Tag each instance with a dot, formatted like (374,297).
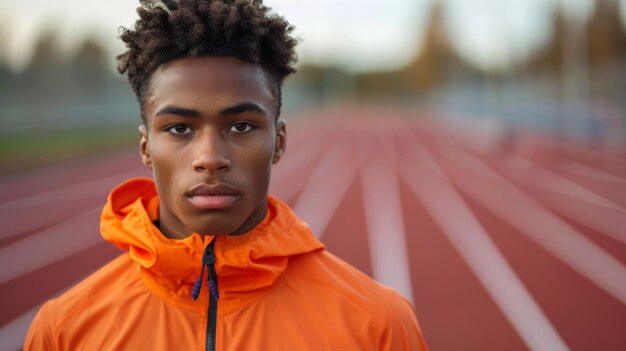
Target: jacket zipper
(208,260)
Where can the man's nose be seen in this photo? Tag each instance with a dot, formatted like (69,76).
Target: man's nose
(211,155)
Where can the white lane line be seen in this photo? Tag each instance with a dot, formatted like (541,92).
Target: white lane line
(589,209)
(291,163)
(387,146)
(287,186)
(580,204)
(290,187)
(584,149)
(385,224)
(71,192)
(327,186)
(550,181)
(590,172)
(546,179)
(41,249)
(606,221)
(434,190)
(60,169)
(542,226)
(484,146)
(543,177)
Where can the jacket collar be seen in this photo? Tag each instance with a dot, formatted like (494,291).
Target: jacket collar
(246,264)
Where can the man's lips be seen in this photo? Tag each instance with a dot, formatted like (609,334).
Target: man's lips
(212,196)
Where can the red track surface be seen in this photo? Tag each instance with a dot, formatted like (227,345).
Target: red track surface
(501,244)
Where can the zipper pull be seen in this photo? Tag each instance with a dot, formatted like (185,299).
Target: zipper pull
(197,286)
(209,260)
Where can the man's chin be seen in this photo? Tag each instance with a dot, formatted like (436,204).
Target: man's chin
(215,229)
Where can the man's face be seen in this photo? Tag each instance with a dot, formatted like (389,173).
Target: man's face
(210,141)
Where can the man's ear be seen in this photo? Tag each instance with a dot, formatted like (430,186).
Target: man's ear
(144,150)
(281,140)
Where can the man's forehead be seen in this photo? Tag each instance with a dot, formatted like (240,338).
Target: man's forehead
(212,69)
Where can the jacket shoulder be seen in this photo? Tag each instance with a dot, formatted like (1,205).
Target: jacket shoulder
(391,315)
(95,290)
(329,272)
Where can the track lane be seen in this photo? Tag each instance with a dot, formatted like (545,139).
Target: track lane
(454,310)
(432,187)
(553,280)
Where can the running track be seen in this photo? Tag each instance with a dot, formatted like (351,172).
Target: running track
(502,243)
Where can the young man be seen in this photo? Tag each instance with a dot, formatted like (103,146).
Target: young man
(214,262)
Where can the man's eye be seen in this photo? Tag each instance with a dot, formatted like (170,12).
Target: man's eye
(240,127)
(179,129)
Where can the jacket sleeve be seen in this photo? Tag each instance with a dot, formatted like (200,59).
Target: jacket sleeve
(40,336)
(400,330)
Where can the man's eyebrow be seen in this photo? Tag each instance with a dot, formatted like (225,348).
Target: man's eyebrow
(231,110)
(180,111)
(243,107)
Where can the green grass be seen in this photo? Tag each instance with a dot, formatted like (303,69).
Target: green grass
(27,151)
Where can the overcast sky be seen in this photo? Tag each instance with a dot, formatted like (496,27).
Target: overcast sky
(355,34)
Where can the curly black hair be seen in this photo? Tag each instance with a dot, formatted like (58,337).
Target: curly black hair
(171,29)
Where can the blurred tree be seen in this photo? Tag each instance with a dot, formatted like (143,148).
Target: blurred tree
(4,42)
(90,57)
(605,36)
(550,57)
(88,71)
(61,90)
(438,63)
(43,83)
(592,52)
(428,69)
(5,73)
(606,51)
(47,56)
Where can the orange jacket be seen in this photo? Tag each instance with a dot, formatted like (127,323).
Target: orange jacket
(279,289)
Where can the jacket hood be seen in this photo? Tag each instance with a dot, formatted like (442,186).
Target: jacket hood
(246,264)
